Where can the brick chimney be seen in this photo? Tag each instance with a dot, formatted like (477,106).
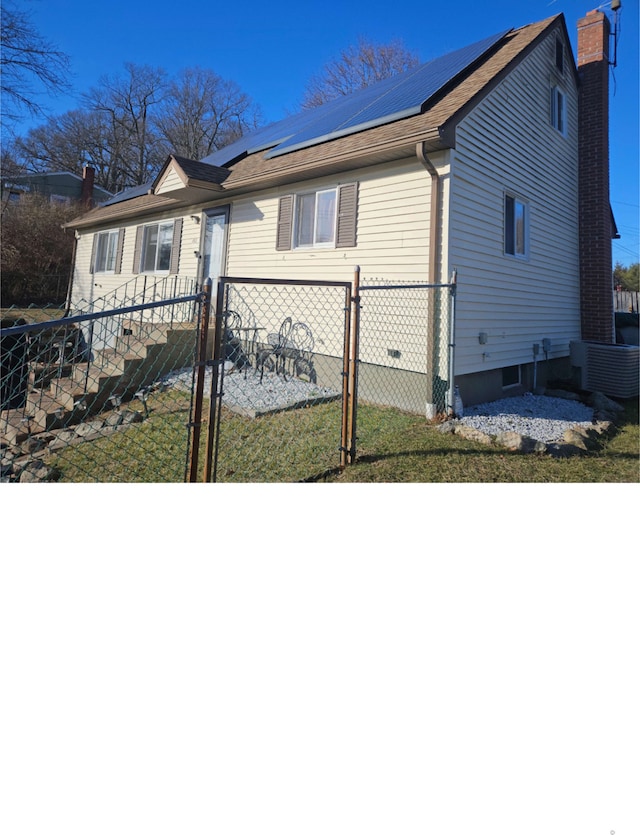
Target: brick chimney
(86,196)
(596,296)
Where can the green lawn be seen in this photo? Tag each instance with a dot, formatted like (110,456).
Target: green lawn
(401,448)
(302,445)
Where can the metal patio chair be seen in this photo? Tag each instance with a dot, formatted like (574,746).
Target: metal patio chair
(273,356)
(299,352)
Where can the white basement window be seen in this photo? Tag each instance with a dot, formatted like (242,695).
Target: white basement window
(511,376)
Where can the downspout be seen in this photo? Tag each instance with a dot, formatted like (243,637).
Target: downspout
(421,153)
(67,307)
(432,407)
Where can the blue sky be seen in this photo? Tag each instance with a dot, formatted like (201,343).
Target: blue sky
(272,49)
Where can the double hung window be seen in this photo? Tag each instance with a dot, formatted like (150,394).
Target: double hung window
(106,252)
(156,248)
(516,227)
(315,218)
(323,218)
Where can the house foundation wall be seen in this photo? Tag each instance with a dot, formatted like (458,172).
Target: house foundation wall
(485,386)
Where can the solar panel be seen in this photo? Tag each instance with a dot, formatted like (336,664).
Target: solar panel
(128,194)
(389,100)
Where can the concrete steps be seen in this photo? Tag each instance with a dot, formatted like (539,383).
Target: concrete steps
(143,353)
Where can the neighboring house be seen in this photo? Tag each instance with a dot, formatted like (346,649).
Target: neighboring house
(469,163)
(59,186)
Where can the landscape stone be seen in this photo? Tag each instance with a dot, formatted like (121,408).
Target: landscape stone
(83,429)
(575,438)
(131,416)
(586,435)
(114,419)
(471,434)
(603,427)
(34,444)
(516,442)
(35,472)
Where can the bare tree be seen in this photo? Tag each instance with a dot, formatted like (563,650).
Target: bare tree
(202,112)
(128,101)
(357,67)
(34,246)
(130,121)
(28,64)
(72,140)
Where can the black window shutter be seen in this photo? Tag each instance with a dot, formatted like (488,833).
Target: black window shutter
(347,215)
(175,246)
(285,222)
(137,251)
(94,246)
(118,265)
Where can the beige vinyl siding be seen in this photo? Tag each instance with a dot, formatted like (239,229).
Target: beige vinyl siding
(171,182)
(392,230)
(507,145)
(392,247)
(87,286)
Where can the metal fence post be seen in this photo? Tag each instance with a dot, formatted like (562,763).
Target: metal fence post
(205,307)
(452,338)
(346,365)
(353,366)
(210,465)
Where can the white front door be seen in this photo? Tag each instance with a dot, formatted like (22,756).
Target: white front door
(214,245)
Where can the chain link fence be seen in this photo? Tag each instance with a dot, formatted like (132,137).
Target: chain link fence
(405,351)
(77,407)
(261,383)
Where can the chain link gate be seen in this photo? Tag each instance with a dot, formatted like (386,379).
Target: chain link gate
(278,380)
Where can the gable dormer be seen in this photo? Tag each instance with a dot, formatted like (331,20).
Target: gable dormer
(187,179)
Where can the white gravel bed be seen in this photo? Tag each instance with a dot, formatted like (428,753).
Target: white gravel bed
(247,394)
(542,418)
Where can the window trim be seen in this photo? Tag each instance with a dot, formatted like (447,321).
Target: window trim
(513,236)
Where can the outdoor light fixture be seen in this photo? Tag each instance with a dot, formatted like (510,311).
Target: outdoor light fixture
(195,218)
